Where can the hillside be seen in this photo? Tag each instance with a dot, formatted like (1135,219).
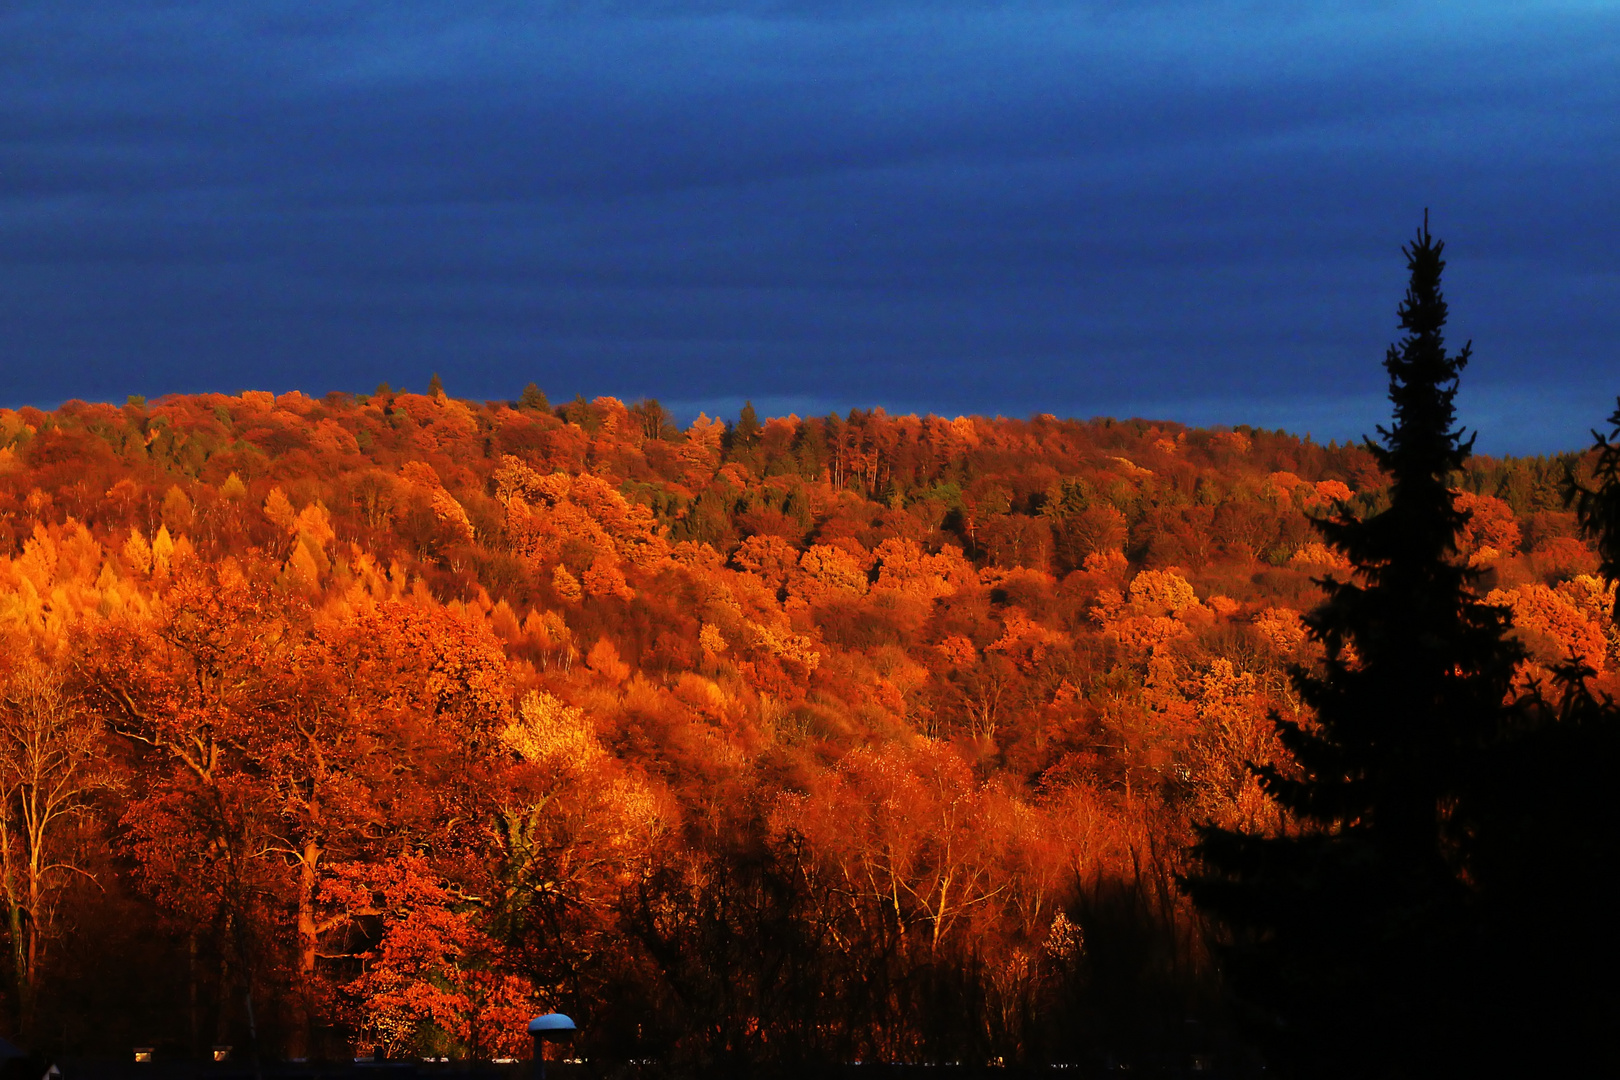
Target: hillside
(404,717)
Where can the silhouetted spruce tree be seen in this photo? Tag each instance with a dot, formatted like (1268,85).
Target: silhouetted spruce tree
(1348,936)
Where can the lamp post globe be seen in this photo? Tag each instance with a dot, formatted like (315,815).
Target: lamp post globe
(552,1027)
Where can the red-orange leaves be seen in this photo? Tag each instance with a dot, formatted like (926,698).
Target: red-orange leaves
(410,698)
(904,835)
(545,512)
(1560,623)
(604,660)
(1492,531)
(432,981)
(440,663)
(826,573)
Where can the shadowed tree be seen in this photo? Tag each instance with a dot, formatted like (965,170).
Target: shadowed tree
(1346,933)
(1545,841)
(1598,507)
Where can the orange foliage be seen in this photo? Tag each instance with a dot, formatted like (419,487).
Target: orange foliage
(417,715)
(1491,532)
(1558,624)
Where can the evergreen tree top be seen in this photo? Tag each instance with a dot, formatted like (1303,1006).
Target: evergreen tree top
(1424,447)
(1415,539)
(1417,666)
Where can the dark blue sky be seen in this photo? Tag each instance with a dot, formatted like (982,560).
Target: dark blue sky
(1182,210)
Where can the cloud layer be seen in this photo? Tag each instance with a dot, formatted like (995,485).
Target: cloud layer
(1182,210)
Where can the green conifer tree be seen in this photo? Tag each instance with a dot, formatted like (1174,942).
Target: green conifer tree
(534,399)
(1348,934)
(746,433)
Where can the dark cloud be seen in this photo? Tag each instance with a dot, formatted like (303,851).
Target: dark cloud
(1187,210)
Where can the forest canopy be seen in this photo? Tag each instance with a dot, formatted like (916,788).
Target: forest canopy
(396,718)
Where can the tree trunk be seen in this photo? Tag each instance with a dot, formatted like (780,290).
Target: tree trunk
(308,934)
(191,996)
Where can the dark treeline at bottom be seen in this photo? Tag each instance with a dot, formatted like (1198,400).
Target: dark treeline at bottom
(1165,1066)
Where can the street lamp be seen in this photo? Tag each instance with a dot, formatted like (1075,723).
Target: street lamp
(552,1027)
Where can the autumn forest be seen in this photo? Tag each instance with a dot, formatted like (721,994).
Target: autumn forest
(394,719)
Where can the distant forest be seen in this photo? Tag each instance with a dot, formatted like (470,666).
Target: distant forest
(397,719)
